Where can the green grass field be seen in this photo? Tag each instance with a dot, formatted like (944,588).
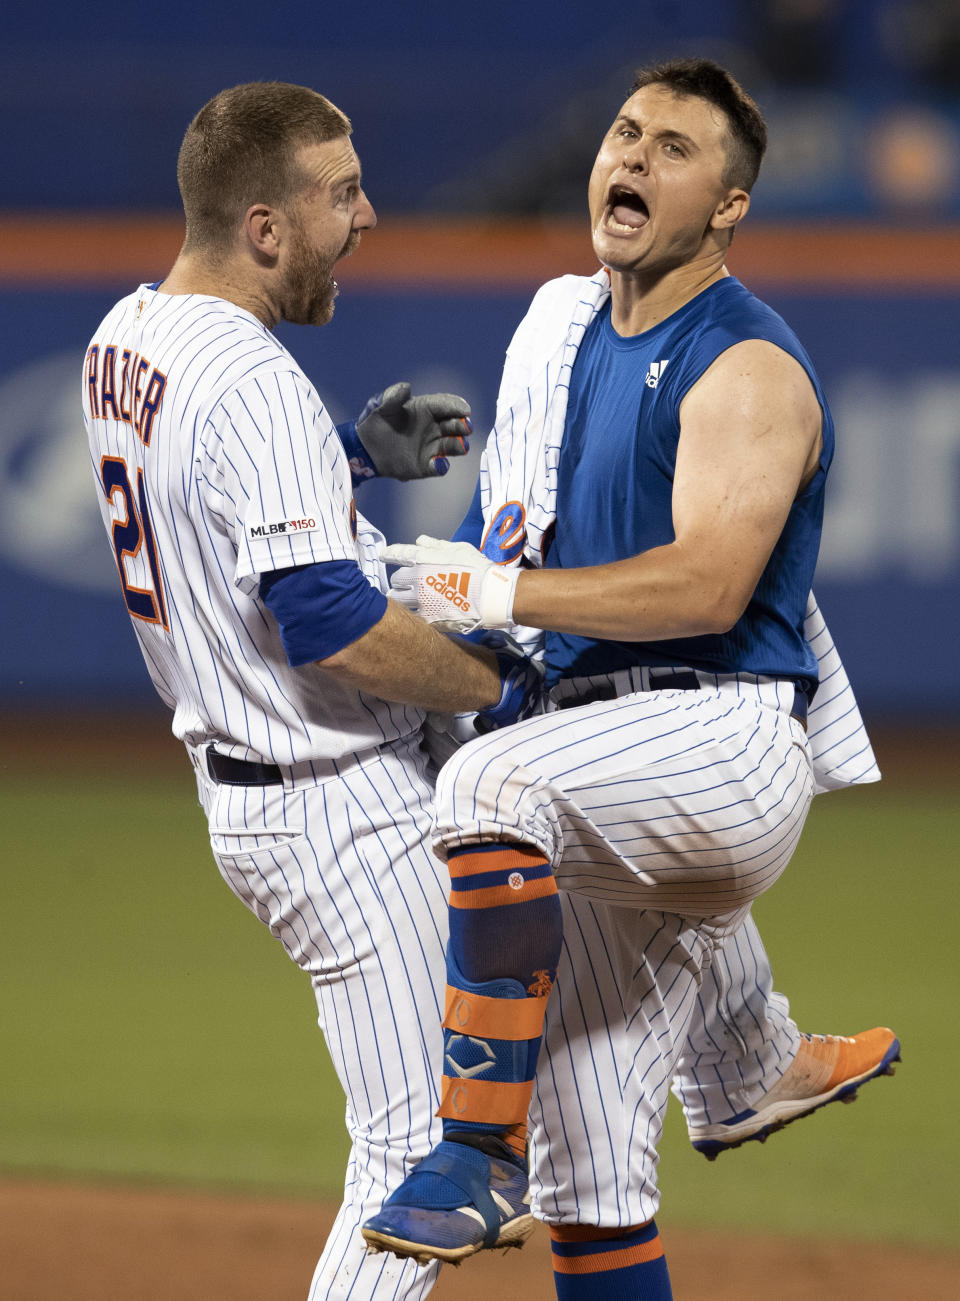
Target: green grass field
(152,1030)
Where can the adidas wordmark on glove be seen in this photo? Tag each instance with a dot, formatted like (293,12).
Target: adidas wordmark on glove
(452,584)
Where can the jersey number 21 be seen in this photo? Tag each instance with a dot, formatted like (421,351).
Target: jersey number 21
(131,531)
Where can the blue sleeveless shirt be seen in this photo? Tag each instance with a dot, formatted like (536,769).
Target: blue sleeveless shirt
(615,484)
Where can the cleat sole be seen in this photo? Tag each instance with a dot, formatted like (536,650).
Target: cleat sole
(513,1234)
(712,1147)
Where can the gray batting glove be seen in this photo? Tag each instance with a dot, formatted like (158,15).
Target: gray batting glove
(408,437)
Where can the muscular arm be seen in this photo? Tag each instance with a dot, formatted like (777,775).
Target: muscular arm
(402,658)
(750,437)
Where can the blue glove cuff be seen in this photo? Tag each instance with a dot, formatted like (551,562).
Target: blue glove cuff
(521,680)
(519,693)
(361,467)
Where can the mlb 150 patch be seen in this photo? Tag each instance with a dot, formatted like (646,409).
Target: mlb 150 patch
(275,529)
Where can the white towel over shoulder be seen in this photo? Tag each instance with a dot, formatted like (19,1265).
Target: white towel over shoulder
(520,465)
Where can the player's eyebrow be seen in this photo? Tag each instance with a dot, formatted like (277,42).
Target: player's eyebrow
(668,133)
(345,182)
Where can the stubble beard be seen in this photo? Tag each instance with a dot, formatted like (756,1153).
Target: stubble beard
(311,288)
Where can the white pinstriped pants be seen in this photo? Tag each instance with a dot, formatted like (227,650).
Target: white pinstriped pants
(664,814)
(342,873)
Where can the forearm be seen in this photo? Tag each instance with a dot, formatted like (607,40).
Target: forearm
(651,597)
(403,659)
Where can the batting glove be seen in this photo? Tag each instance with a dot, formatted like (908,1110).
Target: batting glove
(521,694)
(451,584)
(397,436)
(521,682)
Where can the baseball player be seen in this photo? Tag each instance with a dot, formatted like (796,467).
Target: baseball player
(652,499)
(258,599)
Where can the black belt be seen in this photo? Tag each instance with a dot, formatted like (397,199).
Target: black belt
(682,680)
(241,772)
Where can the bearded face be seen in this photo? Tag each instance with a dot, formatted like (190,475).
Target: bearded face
(309,286)
(323,224)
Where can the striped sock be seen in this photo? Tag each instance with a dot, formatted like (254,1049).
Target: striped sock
(593,1264)
(505,935)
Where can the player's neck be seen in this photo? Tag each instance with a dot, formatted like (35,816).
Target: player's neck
(640,301)
(193,275)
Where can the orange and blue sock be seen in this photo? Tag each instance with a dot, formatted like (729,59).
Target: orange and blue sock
(592,1264)
(506,931)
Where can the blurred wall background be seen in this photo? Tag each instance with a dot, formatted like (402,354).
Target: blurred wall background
(477,127)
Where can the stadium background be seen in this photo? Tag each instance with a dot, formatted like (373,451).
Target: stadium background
(476,130)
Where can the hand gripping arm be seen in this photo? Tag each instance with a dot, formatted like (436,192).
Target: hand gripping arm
(452,584)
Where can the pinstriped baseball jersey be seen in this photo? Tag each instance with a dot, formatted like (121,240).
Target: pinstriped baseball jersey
(216,461)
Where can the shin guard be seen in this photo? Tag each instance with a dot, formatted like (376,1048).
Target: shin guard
(505,936)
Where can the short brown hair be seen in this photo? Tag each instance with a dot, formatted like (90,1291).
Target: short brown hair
(239,150)
(706,80)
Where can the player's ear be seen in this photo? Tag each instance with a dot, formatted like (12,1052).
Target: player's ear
(260,227)
(731,210)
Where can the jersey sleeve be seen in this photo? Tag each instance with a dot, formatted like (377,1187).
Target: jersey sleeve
(276,476)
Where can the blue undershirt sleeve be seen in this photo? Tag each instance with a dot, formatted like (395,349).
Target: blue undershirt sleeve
(362,467)
(471,526)
(320,608)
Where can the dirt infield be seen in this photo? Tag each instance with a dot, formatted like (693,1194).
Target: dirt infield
(116,1244)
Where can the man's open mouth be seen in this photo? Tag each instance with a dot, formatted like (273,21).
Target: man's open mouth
(626,208)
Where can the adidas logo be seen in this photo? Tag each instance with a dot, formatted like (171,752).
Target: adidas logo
(452,587)
(655,373)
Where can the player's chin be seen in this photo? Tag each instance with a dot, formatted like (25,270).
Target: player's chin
(615,248)
(316,311)
(322,313)
(324,303)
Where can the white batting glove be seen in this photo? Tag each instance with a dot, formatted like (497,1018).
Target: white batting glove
(451,584)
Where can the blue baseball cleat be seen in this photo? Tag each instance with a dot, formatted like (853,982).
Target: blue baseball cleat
(454,1202)
(827,1068)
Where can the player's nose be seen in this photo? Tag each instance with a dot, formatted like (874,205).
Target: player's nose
(635,156)
(364,217)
